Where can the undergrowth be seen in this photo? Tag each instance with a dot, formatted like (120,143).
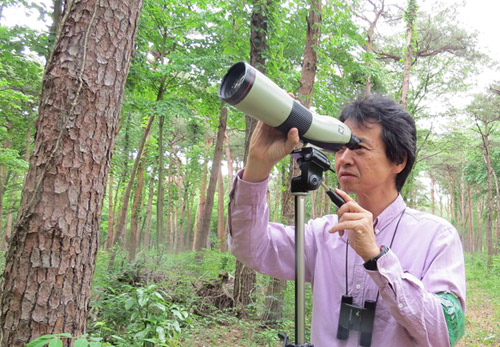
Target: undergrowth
(158,300)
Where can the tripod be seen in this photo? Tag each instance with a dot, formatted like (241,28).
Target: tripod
(312,164)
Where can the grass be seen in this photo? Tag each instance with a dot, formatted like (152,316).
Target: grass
(483,302)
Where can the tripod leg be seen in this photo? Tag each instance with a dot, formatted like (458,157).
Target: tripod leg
(299,268)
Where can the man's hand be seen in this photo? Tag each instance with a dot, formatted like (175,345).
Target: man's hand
(359,225)
(267,147)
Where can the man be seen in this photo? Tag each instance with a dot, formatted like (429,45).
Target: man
(376,248)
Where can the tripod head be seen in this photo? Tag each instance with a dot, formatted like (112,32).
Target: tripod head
(312,164)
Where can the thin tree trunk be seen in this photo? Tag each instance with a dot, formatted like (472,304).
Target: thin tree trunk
(200,240)
(497,229)
(411,14)
(149,214)
(50,262)
(221,221)
(161,191)
(111,214)
(370,39)
(479,236)
(180,228)
(136,208)
(170,230)
(122,219)
(245,277)
(204,225)
(470,219)
(7,235)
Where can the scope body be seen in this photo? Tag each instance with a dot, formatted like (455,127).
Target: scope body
(250,91)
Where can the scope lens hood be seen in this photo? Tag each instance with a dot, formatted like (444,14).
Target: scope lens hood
(237,83)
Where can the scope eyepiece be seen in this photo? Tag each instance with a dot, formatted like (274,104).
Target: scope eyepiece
(353,142)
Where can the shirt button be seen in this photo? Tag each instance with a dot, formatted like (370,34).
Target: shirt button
(382,270)
(400,305)
(358,286)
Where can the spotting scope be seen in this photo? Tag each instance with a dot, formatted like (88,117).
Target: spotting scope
(250,91)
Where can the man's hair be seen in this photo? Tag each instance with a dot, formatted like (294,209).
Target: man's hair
(399,133)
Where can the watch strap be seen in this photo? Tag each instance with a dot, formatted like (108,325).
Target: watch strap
(372,263)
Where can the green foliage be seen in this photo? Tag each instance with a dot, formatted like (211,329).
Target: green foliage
(483,303)
(140,316)
(56,340)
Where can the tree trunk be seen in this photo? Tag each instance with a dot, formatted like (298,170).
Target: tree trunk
(244,282)
(310,58)
(230,171)
(56,22)
(160,198)
(497,229)
(221,225)
(170,210)
(122,175)
(479,236)
(276,288)
(122,219)
(50,262)
(369,40)
(201,203)
(203,230)
(229,161)
(411,14)
(9,219)
(111,214)
(149,214)
(136,208)
(470,219)
(491,209)
(179,233)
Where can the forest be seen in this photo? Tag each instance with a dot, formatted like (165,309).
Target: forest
(117,157)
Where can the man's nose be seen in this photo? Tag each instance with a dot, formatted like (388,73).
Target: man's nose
(343,157)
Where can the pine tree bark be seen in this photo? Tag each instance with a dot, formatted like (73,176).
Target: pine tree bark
(50,262)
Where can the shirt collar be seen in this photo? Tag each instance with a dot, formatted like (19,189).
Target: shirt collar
(389,214)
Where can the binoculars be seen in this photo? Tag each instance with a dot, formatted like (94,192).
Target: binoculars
(356,318)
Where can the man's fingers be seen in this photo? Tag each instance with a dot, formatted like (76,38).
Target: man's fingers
(344,195)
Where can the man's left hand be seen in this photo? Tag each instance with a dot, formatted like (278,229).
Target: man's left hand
(358,223)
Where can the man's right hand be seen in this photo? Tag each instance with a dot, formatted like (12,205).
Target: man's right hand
(267,147)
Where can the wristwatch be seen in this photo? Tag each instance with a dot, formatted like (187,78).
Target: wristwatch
(372,263)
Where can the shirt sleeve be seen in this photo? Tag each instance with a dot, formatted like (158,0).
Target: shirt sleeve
(412,301)
(265,247)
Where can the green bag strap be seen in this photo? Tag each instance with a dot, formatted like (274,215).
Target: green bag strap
(454,315)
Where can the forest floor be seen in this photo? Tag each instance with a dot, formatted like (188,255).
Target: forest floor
(482,322)
(482,317)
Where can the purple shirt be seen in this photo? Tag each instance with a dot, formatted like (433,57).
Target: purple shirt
(426,257)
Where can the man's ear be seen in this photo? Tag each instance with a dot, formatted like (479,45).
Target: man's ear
(400,166)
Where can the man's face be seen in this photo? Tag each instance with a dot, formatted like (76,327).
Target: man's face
(366,171)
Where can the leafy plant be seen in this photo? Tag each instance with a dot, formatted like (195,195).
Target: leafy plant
(56,340)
